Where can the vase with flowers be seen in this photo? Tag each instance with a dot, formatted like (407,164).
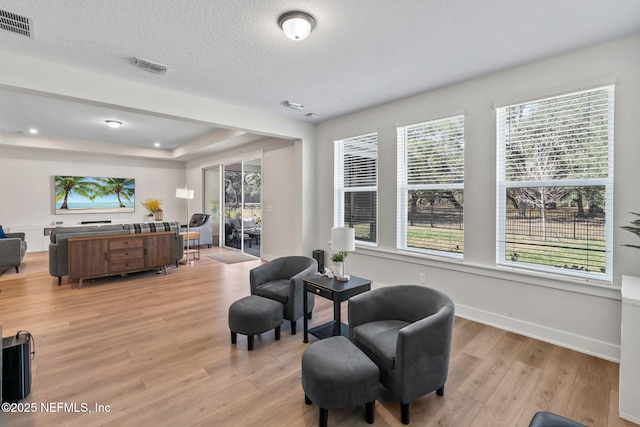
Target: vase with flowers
(153,206)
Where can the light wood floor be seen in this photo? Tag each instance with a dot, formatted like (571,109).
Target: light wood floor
(155,350)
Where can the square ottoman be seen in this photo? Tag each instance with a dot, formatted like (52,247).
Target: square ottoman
(254,315)
(336,375)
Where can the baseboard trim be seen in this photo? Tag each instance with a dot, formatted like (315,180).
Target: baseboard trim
(568,340)
(628,417)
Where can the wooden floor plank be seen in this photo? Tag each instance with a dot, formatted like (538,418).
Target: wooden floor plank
(553,390)
(589,401)
(494,366)
(510,397)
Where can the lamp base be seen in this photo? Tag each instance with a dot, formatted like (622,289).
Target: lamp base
(344,278)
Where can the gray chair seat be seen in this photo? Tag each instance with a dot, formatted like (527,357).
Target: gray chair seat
(336,375)
(380,338)
(277,290)
(253,315)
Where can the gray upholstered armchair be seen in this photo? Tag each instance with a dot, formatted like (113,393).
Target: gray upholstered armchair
(12,250)
(406,331)
(202,223)
(281,280)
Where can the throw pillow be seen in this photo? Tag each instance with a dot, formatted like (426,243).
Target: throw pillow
(2,235)
(198,219)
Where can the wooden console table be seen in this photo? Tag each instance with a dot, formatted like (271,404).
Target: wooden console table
(98,256)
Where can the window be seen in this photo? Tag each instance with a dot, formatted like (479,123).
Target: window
(356,185)
(555,184)
(430,186)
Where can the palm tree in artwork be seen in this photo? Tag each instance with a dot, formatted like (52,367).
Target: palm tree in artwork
(78,184)
(123,188)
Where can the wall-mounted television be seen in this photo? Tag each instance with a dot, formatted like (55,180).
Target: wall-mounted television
(88,194)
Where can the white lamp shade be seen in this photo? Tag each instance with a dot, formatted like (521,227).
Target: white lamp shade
(343,239)
(184,193)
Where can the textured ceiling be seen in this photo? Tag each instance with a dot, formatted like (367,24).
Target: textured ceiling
(361,53)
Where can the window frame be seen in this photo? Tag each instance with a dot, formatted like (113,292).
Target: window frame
(404,187)
(503,183)
(340,189)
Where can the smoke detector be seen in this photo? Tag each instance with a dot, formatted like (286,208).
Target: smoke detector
(152,67)
(15,23)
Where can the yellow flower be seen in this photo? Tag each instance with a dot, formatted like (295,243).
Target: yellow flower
(152,204)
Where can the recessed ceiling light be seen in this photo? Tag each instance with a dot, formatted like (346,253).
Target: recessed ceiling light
(114,124)
(156,144)
(33,131)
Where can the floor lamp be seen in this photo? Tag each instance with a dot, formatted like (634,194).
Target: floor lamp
(185,193)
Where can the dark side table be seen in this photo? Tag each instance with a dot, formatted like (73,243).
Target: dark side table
(336,291)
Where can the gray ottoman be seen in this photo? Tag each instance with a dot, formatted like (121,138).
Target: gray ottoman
(337,375)
(253,315)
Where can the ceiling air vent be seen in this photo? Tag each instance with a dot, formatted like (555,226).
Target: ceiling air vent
(152,67)
(15,23)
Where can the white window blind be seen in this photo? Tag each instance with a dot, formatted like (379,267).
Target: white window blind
(555,184)
(430,186)
(356,185)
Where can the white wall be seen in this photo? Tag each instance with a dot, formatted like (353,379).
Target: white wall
(28,198)
(281,233)
(576,315)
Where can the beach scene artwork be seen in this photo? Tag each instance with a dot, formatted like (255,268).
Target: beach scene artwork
(86,194)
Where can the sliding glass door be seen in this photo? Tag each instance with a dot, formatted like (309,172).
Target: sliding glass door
(242,205)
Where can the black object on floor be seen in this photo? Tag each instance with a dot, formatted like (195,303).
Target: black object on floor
(16,366)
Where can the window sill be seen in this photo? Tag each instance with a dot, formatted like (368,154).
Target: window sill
(548,280)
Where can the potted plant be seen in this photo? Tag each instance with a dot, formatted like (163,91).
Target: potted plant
(338,263)
(153,206)
(635,229)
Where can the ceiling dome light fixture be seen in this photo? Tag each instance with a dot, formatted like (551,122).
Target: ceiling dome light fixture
(296,25)
(114,124)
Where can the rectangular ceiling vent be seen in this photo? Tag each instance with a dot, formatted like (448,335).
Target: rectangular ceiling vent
(152,67)
(15,23)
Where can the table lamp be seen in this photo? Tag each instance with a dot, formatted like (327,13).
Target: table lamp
(343,241)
